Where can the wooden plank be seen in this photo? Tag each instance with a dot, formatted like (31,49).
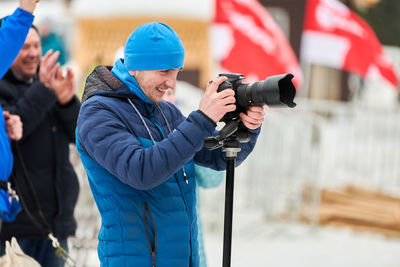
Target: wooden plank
(358,208)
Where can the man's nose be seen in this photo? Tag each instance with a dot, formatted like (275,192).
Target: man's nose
(34,52)
(171,82)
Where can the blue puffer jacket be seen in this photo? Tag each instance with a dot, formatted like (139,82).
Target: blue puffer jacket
(146,204)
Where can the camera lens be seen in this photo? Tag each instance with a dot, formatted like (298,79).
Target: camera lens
(274,91)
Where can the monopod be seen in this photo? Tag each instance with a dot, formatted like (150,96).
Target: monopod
(229,138)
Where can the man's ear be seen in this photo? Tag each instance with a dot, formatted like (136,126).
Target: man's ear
(132,72)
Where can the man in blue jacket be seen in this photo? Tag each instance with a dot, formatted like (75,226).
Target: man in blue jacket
(139,151)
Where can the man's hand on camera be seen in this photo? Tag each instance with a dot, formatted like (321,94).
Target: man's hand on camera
(28,5)
(254,117)
(216,104)
(13,126)
(51,76)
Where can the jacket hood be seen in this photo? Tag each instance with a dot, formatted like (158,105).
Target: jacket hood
(102,82)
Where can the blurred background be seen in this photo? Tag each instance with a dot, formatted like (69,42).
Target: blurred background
(322,187)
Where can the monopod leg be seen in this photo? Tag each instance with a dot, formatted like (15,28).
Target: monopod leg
(230,169)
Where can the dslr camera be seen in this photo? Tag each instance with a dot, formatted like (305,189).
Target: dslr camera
(274,91)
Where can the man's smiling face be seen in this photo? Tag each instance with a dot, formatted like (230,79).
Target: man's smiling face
(28,59)
(154,83)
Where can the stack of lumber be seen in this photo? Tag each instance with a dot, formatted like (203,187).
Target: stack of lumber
(360,209)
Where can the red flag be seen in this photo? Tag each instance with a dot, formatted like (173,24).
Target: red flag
(335,36)
(247,40)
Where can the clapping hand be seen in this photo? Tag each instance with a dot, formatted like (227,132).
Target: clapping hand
(50,74)
(66,86)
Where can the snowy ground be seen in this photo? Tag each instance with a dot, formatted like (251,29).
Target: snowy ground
(297,245)
(256,243)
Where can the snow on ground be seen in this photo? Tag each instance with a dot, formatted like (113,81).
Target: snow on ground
(257,243)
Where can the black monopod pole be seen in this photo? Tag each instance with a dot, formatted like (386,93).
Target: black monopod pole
(231,154)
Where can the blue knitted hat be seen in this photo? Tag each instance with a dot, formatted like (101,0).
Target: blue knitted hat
(154,46)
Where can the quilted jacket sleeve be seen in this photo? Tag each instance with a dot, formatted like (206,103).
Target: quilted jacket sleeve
(103,136)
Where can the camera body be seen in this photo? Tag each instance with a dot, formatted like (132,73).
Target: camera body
(274,91)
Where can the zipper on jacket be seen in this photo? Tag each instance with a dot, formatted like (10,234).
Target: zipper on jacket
(187,214)
(145,207)
(184,175)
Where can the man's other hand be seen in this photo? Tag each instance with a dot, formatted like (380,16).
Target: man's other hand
(253,118)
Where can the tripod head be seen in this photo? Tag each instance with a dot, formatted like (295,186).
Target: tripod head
(229,137)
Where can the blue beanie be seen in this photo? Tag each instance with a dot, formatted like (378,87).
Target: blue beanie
(154,46)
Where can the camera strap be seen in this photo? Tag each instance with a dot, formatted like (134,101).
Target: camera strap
(41,223)
(151,136)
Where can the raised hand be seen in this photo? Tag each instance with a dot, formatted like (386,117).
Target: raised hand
(51,76)
(13,126)
(254,117)
(216,104)
(65,87)
(28,5)
(48,69)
